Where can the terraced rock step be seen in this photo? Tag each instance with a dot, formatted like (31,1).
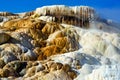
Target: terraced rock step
(58,43)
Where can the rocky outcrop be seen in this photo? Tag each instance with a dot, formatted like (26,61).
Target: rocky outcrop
(44,37)
(61,10)
(78,16)
(50,69)
(13,24)
(7,14)
(47,44)
(30,44)
(35,40)
(4,16)
(38,70)
(4,37)
(27,14)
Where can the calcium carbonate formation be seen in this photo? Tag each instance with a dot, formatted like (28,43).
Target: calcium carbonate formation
(59,43)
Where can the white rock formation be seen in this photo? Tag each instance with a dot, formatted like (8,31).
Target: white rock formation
(99,54)
(77,11)
(98,57)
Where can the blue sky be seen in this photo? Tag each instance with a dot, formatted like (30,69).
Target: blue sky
(107,8)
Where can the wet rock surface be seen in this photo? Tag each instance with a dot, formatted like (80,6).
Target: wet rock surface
(26,45)
(4,38)
(57,43)
(38,69)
